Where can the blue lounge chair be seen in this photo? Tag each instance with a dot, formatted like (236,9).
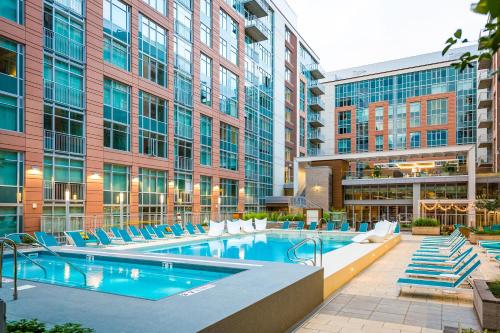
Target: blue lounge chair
(134,230)
(125,236)
(145,234)
(150,229)
(441,239)
(492,245)
(285,225)
(300,225)
(46,239)
(363,227)
(115,231)
(77,238)
(437,284)
(344,227)
(313,226)
(191,230)
(177,230)
(457,270)
(200,229)
(158,232)
(102,236)
(397,230)
(330,226)
(442,265)
(438,250)
(497,258)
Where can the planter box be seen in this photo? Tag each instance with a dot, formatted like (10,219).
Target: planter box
(474,238)
(432,231)
(487,306)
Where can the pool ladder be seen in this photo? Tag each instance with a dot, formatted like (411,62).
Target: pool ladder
(12,245)
(292,251)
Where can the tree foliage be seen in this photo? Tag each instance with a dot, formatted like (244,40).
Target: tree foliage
(488,42)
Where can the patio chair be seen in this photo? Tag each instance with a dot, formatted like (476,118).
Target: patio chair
(200,228)
(115,231)
(76,238)
(442,265)
(455,269)
(330,226)
(344,227)
(191,230)
(134,230)
(261,225)
(363,227)
(145,234)
(300,225)
(313,226)
(46,239)
(285,225)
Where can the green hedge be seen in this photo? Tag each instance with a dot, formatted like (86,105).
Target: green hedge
(273,216)
(35,326)
(425,222)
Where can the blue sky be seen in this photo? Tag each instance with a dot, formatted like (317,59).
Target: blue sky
(348,33)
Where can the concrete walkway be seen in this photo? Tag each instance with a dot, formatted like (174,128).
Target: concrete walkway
(371,301)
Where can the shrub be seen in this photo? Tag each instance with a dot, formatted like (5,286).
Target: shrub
(425,222)
(70,328)
(495,288)
(26,326)
(487,232)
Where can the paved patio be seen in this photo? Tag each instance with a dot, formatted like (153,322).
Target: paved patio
(371,301)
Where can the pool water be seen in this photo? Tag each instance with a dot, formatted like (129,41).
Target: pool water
(266,246)
(150,281)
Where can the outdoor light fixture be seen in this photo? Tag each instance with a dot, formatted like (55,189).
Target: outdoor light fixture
(120,197)
(171,183)
(242,190)
(95,176)
(35,170)
(67,195)
(162,198)
(197,186)
(135,179)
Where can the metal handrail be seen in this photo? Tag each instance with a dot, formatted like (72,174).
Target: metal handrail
(295,247)
(4,240)
(53,253)
(29,259)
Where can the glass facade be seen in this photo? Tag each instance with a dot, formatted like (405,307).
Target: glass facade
(228,97)
(152,51)
(159,5)
(437,138)
(229,197)
(11,85)
(228,147)
(12,10)
(11,191)
(228,29)
(343,146)
(344,122)
(152,189)
(205,140)
(205,197)
(116,115)
(153,125)
(205,80)
(116,29)
(116,187)
(437,112)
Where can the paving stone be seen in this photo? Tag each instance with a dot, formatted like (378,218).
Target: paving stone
(388,317)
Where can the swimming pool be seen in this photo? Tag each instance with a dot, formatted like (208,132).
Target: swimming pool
(151,280)
(266,246)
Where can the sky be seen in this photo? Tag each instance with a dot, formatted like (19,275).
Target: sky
(349,33)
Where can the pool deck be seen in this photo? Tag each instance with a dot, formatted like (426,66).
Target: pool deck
(370,303)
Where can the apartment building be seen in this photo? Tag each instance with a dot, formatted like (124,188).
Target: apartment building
(405,138)
(141,109)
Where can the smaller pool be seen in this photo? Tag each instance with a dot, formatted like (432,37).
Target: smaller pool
(144,279)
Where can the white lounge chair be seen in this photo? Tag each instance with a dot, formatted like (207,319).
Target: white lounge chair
(216,228)
(246,225)
(234,227)
(380,232)
(260,225)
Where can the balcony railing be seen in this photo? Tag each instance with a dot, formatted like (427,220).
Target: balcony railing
(485,140)
(484,120)
(315,136)
(75,6)
(63,94)
(315,119)
(316,71)
(66,143)
(183,30)
(316,87)
(256,7)
(183,197)
(64,46)
(184,131)
(315,152)
(253,54)
(484,79)
(184,163)
(182,64)
(56,191)
(316,104)
(404,173)
(484,99)
(256,29)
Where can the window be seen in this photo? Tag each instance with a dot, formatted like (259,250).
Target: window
(159,5)
(229,197)
(288,115)
(415,140)
(116,115)
(153,125)
(11,191)
(343,146)
(437,138)
(183,122)
(12,86)
(288,154)
(183,52)
(344,122)
(288,95)
(205,197)
(379,118)
(116,186)
(228,92)
(288,75)
(205,140)
(288,55)
(228,37)
(63,82)
(206,8)
(205,80)
(415,114)
(116,25)
(437,111)
(183,22)
(206,35)
(12,10)
(183,188)
(379,143)
(152,51)
(228,147)
(302,96)
(302,135)
(61,173)
(288,134)
(152,186)
(64,33)
(288,35)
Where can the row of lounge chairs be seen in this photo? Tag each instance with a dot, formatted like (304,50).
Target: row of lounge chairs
(492,249)
(441,263)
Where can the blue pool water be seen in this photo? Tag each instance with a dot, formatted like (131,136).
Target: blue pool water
(150,281)
(270,246)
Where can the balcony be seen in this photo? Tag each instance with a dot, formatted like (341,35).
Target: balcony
(316,136)
(62,94)
(485,120)
(183,163)
(315,119)
(316,87)
(484,162)
(316,71)
(256,30)
(484,100)
(316,104)
(63,46)
(63,143)
(485,140)
(315,152)
(56,191)
(252,54)
(184,131)
(183,97)
(183,197)
(484,79)
(256,7)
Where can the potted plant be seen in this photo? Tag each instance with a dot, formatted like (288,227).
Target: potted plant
(487,303)
(425,226)
(377,170)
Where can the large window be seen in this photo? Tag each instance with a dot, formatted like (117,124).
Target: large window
(228,92)
(63,82)
(302,102)
(61,174)
(205,140)
(205,197)
(379,143)
(415,140)
(228,37)
(343,146)
(415,114)
(229,197)
(302,133)
(116,25)
(379,118)
(152,51)
(228,147)
(11,191)
(344,122)
(116,115)
(116,186)
(206,22)
(437,138)
(159,5)
(152,187)
(12,10)
(437,111)
(183,22)
(205,80)
(153,125)
(11,86)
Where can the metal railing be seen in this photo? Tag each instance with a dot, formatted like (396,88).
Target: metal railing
(183,197)
(55,191)
(484,96)
(183,130)
(315,135)
(63,94)
(315,84)
(315,117)
(484,74)
(485,138)
(314,152)
(254,21)
(184,163)
(63,45)
(484,117)
(62,142)
(295,258)
(317,101)
(4,240)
